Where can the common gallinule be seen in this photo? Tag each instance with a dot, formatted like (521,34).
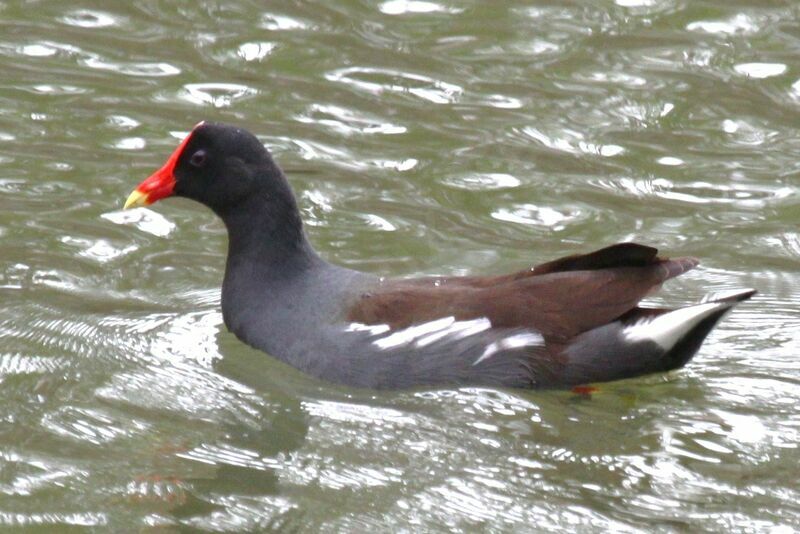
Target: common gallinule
(564,323)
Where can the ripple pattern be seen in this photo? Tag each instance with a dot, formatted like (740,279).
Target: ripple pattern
(421,137)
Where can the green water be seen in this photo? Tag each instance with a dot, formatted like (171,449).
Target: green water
(422,137)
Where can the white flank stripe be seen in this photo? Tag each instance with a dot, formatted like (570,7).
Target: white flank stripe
(517,341)
(374,329)
(667,329)
(408,335)
(426,333)
(458,330)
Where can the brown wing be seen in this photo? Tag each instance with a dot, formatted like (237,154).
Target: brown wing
(559,299)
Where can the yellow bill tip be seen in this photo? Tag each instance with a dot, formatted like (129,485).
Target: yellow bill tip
(136,199)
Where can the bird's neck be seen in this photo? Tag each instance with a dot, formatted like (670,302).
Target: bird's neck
(266,242)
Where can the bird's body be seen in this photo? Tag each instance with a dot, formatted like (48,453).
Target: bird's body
(564,323)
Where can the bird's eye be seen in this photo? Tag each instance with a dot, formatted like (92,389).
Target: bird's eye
(198,159)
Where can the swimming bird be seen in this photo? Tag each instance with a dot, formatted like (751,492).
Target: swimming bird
(560,324)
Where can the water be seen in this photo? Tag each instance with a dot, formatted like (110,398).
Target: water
(422,137)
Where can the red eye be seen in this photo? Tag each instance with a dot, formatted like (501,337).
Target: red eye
(198,159)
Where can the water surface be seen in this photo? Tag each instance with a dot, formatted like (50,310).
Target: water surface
(422,137)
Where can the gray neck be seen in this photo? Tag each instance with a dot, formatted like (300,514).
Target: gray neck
(268,253)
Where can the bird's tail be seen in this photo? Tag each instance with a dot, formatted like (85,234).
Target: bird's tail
(645,340)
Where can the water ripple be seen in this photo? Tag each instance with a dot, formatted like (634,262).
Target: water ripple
(255,51)
(401,7)
(122,122)
(379,80)
(742,195)
(92,426)
(130,68)
(419,139)
(16,363)
(346,121)
(144,219)
(738,24)
(274,22)
(219,95)
(99,250)
(760,70)
(129,143)
(530,214)
(57,520)
(573,142)
(46,89)
(482,182)
(85,18)
(48,49)
(229,455)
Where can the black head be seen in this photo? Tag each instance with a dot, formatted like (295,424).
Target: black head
(221,166)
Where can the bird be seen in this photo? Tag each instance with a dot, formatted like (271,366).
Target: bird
(566,323)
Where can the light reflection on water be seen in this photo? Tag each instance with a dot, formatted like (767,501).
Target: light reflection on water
(421,137)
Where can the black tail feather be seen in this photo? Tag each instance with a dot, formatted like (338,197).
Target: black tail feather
(644,341)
